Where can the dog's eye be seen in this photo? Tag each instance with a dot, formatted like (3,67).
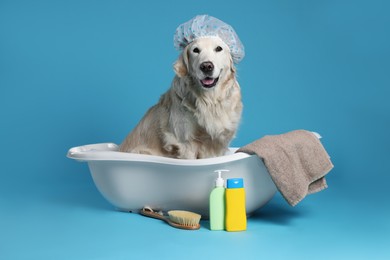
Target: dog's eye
(218,49)
(196,50)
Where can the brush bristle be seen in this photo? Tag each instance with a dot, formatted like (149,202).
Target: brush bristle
(185,218)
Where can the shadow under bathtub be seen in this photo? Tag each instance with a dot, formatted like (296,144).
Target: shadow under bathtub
(278,212)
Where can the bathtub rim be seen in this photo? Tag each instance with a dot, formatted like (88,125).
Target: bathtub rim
(109,152)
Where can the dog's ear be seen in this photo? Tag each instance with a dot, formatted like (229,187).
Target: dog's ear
(181,65)
(232,67)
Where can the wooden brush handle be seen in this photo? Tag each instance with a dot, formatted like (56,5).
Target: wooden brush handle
(153,214)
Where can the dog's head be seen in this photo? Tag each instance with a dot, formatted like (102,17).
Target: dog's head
(207,61)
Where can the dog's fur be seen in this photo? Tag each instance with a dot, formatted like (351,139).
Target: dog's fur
(193,120)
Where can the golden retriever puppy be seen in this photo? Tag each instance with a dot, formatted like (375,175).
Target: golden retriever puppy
(199,115)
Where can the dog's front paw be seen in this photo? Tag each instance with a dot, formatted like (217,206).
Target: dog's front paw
(179,151)
(172,149)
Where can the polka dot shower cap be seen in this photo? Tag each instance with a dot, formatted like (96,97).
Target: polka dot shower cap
(208,26)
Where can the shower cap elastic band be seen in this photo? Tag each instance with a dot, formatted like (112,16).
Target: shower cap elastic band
(207,26)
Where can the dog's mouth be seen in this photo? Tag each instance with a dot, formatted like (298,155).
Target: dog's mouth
(209,82)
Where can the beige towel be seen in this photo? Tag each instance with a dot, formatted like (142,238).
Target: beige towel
(296,161)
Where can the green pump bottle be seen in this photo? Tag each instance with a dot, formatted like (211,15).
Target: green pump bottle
(217,203)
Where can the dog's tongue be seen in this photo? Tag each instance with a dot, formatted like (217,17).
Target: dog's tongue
(207,81)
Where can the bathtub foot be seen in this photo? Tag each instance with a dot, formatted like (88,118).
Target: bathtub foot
(127,210)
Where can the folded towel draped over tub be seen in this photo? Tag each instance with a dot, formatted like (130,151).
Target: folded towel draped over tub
(296,161)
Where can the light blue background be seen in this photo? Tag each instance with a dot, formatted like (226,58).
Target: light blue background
(79,72)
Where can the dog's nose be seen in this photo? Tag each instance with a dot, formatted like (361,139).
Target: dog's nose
(207,67)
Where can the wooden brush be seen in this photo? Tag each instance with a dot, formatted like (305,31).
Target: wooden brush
(176,218)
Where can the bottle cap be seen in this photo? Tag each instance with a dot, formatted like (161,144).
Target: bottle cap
(235,183)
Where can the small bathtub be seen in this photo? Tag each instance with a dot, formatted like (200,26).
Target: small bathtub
(132,181)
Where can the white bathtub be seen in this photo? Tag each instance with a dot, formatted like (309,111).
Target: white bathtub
(132,181)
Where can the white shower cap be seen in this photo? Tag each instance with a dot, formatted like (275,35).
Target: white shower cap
(205,26)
